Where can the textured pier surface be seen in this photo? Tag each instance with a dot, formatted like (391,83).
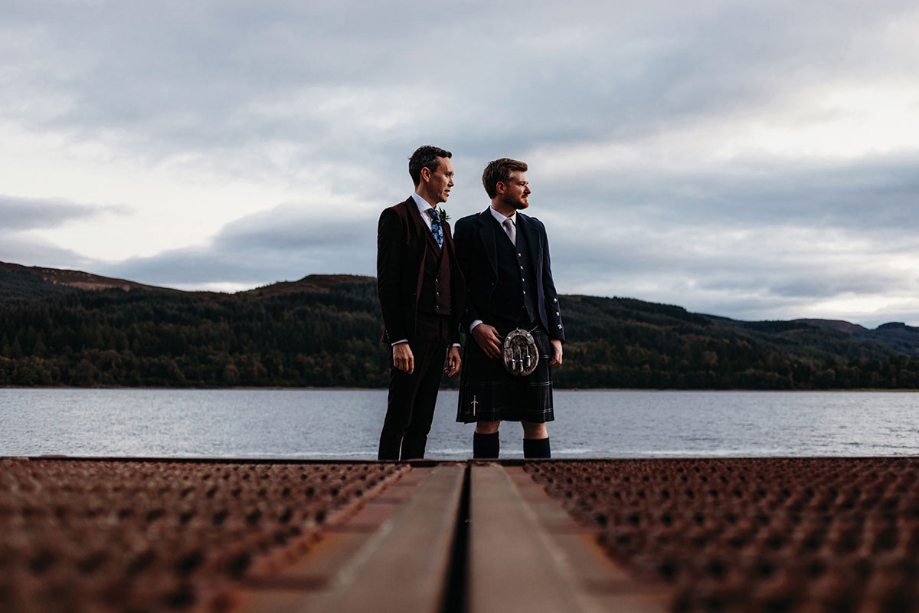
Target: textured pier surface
(756,534)
(607,535)
(153,536)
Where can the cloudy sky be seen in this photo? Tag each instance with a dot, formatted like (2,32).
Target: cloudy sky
(757,160)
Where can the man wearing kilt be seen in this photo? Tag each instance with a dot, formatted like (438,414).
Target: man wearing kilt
(504,257)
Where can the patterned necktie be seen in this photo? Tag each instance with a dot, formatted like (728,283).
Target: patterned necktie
(436,228)
(510,230)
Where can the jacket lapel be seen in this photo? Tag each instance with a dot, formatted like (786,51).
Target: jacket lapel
(487,234)
(414,217)
(417,228)
(448,241)
(531,236)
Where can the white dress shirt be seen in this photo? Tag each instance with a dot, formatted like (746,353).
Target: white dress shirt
(423,207)
(500,218)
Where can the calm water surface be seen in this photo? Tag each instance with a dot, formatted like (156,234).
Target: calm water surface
(346,424)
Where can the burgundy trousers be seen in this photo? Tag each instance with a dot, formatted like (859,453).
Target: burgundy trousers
(410,409)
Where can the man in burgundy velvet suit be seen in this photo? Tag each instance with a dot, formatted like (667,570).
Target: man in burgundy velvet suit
(422,298)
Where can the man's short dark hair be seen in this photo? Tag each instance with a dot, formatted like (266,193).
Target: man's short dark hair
(500,171)
(425,157)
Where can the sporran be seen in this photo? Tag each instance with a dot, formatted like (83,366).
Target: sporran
(521,355)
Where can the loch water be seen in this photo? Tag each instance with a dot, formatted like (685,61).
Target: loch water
(345,424)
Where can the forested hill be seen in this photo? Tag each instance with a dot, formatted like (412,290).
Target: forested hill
(325,331)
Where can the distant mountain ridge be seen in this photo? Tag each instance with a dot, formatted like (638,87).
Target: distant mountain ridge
(309,283)
(834,324)
(16,283)
(77,278)
(56,278)
(896,335)
(73,328)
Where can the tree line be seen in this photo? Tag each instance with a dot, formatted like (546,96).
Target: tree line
(171,339)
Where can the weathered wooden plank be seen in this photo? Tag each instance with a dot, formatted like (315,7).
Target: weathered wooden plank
(407,568)
(392,556)
(511,568)
(527,554)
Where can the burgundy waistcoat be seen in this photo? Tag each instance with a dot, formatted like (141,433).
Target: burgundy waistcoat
(435,295)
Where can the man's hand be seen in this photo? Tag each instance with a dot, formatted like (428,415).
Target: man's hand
(557,353)
(453,361)
(403,358)
(487,338)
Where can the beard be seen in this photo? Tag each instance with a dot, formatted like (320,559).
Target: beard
(517,205)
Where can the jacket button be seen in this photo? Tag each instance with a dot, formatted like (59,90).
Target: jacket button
(522,279)
(437,308)
(559,326)
(519,255)
(555,300)
(524,292)
(557,314)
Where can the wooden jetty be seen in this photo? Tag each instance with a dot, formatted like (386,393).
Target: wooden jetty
(735,534)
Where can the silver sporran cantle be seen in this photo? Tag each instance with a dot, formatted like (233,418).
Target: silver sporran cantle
(520,353)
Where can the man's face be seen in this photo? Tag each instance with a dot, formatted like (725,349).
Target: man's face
(441,180)
(516,190)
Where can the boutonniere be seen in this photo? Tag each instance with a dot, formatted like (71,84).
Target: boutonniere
(444,218)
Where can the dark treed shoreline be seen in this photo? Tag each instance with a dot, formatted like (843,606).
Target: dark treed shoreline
(269,388)
(323,332)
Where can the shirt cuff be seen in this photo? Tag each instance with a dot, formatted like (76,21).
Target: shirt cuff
(474,324)
(457,345)
(404,340)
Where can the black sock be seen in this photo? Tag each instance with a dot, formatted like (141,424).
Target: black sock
(485,445)
(536,448)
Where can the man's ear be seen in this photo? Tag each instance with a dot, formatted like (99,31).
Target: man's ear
(425,174)
(500,187)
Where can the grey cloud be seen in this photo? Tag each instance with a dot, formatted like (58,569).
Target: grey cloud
(190,75)
(290,227)
(189,267)
(808,281)
(350,89)
(739,294)
(834,283)
(33,252)
(766,276)
(285,243)
(185,268)
(17,214)
(199,77)
(875,195)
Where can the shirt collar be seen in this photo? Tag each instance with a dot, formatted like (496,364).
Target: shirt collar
(422,204)
(500,218)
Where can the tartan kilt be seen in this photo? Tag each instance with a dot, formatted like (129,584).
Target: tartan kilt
(499,395)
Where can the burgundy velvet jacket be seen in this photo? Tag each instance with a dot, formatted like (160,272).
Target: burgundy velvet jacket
(401,237)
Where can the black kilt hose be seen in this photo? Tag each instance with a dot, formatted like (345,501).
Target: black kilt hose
(489,393)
